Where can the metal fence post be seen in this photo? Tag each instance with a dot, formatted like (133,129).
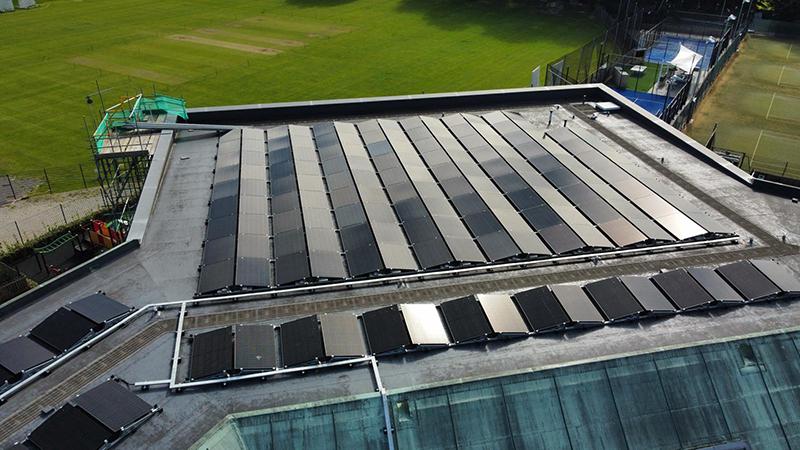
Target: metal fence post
(60,205)
(49,187)
(21,239)
(80,166)
(13,194)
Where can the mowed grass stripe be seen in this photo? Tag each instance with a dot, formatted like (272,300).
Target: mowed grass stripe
(128,70)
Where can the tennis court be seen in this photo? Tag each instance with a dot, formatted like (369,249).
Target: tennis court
(653,103)
(668,45)
(756,102)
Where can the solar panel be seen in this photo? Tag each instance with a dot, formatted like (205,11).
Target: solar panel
(254,347)
(622,232)
(502,314)
(98,308)
(69,428)
(386,331)
(112,405)
(779,274)
(21,354)
(648,295)
(561,239)
(715,285)
(211,353)
(425,327)
(682,290)
(613,299)
(62,330)
(577,305)
(215,277)
(465,319)
(342,335)
(541,309)
(301,342)
(748,281)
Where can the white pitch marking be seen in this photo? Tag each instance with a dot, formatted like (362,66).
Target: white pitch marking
(758,141)
(780,77)
(772,102)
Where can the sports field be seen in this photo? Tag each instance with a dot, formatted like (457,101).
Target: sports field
(756,102)
(240,51)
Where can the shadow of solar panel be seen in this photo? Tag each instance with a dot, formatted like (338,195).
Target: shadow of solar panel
(425,327)
(576,304)
(748,281)
(112,405)
(62,330)
(254,347)
(5,377)
(613,299)
(502,314)
(561,239)
(301,342)
(715,285)
(342,336)
(98,308)
(215,277)
(541,309)
(211,353)
(385,329)
(465,320)
(779,274)
(69,428)
(682,290)
(648,295)
(21,354)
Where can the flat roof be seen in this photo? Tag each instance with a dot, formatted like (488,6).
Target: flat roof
(164,268)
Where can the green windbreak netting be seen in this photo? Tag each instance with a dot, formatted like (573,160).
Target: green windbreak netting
(137,109)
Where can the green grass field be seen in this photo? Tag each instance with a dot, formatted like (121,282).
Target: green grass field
(756,102)
(237,51)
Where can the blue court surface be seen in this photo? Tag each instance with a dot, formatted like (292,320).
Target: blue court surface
(667,47)
(653,103)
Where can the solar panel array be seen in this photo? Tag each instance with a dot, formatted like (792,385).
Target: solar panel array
(98,418)
(403,327)
(336,201)
(58,333)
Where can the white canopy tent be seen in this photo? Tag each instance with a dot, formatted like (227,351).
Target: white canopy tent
(686,59)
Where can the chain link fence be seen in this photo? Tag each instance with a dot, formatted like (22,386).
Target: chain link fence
(44,217)
(47,180)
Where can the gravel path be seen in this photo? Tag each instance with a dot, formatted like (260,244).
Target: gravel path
(36,215)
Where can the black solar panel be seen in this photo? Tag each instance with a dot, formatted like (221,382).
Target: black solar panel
(561,239)
(69,428)
(385,330)
(748,280)
(715,285)
(682,290)
(465,320)
(214,277)
(648,295)
(212,353)
(98,308)
(301,342)
(20,354)
(254,347)
(541,309)
(613,299)
(112,405)
(5,375)
(62,330)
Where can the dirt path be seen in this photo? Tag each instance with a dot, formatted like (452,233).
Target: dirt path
(36,215)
